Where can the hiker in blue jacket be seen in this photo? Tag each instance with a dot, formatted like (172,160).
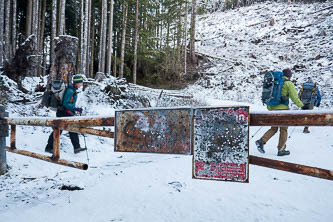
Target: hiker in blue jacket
(310,96)
(67,109)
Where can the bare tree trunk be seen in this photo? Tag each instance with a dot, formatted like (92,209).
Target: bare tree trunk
(2,15)
(28,24)
(42,25)
(7,32)
(35,18)
(114,70)
(61,27)
(102,37)
(193,18)
(123,40)
(83,37)
(92,57)
(13,45)
(88,40)
(136,37)
(41,38)
(53,35)
(109,52)
(185,38)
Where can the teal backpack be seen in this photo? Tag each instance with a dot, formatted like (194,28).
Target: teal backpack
(272,87)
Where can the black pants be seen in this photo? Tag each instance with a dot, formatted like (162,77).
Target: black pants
(73,136)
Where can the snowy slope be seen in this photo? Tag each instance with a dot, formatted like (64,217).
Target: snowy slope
(156,187)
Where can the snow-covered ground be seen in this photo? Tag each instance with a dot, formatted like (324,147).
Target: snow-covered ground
(159,187)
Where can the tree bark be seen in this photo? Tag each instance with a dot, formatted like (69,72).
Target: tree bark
(53,35)
(83,38)
(13,45)
(193,18)
(2,15)
(136,37)
(114,70)
(35,19)
(92,57)
(123,40)
(102,38)
(7,32)
(41,38)
(109,52)
(66,48)
(29,19)
(185,38)
(88,47)
(61,26)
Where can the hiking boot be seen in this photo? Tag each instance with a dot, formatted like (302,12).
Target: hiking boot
(260,146)
(306,130)
(77,150)
(283,151)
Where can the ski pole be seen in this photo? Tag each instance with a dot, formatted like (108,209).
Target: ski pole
(85,146)
(256,132)
(292,131)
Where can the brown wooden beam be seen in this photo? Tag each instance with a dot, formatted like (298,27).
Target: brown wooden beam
(13,136)
(56,143)
(292,167)
(81,166)
(90,131)
(283,118)
(63,121)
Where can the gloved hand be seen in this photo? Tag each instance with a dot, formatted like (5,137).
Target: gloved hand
(78,110)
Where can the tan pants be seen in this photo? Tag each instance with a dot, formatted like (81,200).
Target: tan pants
(283,136)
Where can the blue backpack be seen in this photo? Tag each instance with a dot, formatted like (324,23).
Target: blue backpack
(309,94)
(272,87)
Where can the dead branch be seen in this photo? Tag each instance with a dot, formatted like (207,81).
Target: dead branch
(322,9)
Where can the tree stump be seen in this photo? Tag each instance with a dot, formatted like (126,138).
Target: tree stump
(64,66)
(25,62)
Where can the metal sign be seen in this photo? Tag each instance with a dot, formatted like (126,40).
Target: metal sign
(154,131)
(221,143)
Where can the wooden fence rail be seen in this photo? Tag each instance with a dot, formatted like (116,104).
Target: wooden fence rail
(80,124)
(76,124)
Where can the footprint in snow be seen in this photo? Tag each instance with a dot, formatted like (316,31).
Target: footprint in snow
(177,186)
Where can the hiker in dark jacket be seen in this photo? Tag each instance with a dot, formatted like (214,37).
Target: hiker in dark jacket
(288,91)
(310,96)
(68,109)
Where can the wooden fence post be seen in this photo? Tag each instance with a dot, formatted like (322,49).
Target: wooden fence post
(3,135)
(56,143)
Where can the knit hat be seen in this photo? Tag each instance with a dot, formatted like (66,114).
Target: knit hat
(77,79)
(287,73)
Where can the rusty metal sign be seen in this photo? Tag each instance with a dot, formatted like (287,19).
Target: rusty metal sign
(154,131)
(221,143)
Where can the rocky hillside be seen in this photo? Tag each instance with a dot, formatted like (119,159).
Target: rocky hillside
(243,43)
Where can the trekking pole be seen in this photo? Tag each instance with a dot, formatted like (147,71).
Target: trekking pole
(292,131)
(85,145)
(256,132)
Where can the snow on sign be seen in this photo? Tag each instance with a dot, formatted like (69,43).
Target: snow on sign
(221,143)
(154,131)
